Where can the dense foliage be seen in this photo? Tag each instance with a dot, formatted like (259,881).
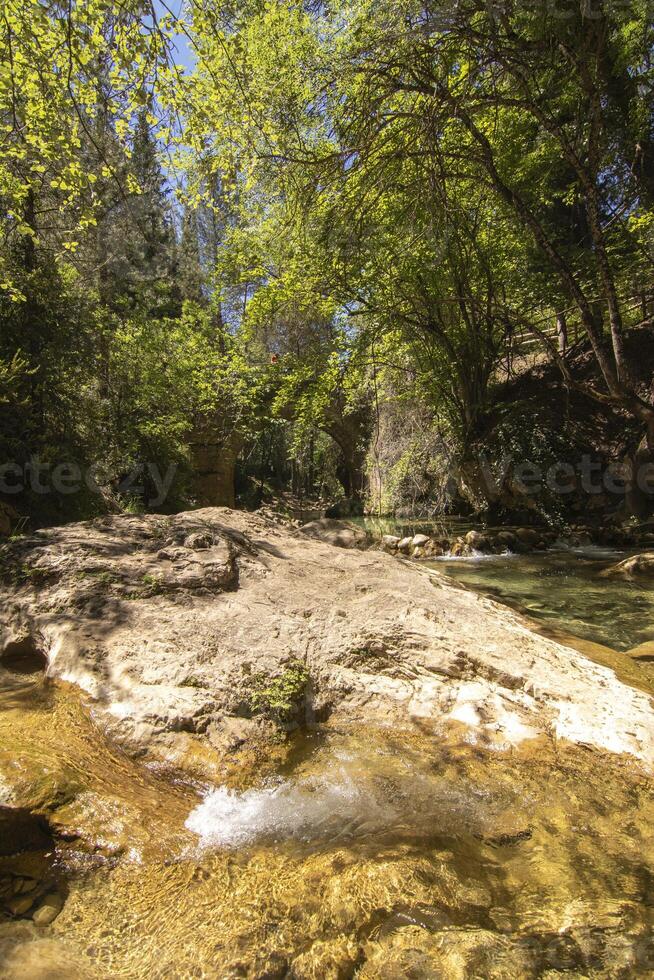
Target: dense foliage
(381,211)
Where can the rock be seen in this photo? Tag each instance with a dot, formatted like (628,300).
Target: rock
(418,553)
(199,540)
(419,540)
(341,534)
(349,507)
(405,545)
(477,541)
(165,670)
(506,540)
(21,904)
(48,910)
(460,548)
(643,652)
(390,542)
(638,566)
(529,537)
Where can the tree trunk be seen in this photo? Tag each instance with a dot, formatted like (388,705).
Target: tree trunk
(214,464)
(562,332)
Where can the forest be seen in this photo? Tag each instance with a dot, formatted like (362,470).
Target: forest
(381,253)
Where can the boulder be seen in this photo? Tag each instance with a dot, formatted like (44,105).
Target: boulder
(506,540)
(405,545)
(477,541)
(389,542)
(341,534)
(419,540)
(528,537)
(167,669)
(419,553)
(638,566)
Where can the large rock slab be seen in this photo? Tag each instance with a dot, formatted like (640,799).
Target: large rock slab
(169,622)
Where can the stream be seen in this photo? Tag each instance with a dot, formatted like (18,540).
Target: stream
(561,586)
(371,854)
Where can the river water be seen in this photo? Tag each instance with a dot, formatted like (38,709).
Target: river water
(561,586)
(372,854)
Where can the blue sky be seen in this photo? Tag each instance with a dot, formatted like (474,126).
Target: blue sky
(183,52)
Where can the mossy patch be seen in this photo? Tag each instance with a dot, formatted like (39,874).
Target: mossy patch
(280,698)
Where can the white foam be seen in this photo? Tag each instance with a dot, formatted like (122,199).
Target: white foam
(475,556)
(227,818)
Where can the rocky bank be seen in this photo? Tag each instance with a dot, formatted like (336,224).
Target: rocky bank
(192,632)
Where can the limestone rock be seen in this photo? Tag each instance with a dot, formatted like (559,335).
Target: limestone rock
(638,566)
(379,639)
(341,534)
(419,540)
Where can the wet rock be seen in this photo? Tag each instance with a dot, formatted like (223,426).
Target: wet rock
(419,540)
(638,566)
(477,541)
(405,545)
(643,652)
(506,540)
(418,553)
(20,905)
(48,910)
(529,537)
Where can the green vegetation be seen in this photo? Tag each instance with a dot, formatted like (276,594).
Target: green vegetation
(320,258)
(280,698)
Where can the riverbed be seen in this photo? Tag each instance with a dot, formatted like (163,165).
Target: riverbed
(375,851)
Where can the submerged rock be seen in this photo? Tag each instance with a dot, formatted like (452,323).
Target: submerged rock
(48,910)
(644,652)
(635,567)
